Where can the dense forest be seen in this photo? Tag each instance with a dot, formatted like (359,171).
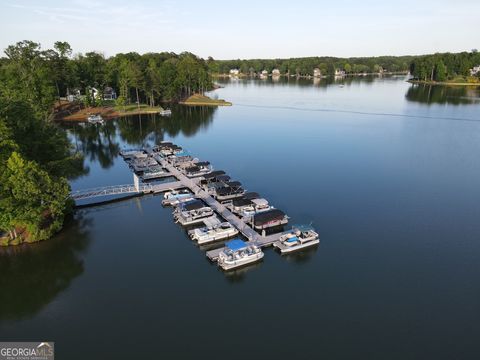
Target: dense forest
(305,66)
(54,73)
(36,157)
(446,67)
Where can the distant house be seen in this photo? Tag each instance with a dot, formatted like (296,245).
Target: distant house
(265,73)
(275,72)
(109,93)
(73,95)
(317,72)
(234,72)
(339,72)
(475,70)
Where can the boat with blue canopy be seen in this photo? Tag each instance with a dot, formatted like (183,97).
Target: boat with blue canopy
(239,253)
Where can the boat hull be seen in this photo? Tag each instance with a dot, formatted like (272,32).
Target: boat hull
(235,264)
(217,237)
(284,249)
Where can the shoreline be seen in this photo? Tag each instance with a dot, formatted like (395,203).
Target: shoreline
(107,112)
(442,83)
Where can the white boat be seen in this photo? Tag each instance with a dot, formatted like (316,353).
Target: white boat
(300,237)
(175,197)
(192,212)
(153,173)
(95,119)
(131,153)
(197,169)
(213,233)
(166,112)
(238,253)
(143,164)
(257,206)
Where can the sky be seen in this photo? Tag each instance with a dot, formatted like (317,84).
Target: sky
(246,29)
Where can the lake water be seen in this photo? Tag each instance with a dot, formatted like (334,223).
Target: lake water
(387,172)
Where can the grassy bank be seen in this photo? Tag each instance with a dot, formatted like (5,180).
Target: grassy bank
(108,112)
(202,100)
(455,82)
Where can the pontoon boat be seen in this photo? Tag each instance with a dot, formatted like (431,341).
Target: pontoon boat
(238,253)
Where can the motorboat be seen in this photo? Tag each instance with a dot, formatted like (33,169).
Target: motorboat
(213,233)
(130,153)
(229,190)
(95,119)
(256,206)
(238,253)
(192,212)
(269,219)
(300,237)
(143,164)
(166,112)
(174,197)
(153,173)
(198,169)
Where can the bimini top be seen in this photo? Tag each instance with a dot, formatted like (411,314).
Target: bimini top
(224,191)
(234,184)
(193,205)
(241,202)
(214,174)
(251,195)
(183,153)
(236,244)
(192,169)
(202,163)
(267,216)
(260,202)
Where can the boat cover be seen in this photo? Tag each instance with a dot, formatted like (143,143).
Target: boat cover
(267,216)
(214,174)
(241,202)
(202,163)
(236,244)
(234,183)
(292,239)
(251,195)
(260,202)
(193,205)
(228,191)
(192,169)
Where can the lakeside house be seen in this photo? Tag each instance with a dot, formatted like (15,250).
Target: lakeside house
(317,73)
(234,72)
(275,72)
(109,93)
(339,72)
(475,70)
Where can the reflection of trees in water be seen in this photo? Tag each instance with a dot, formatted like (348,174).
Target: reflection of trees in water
(301,256)
(96,142)
(31,276)
(437,94)
(188,120)
(102,142)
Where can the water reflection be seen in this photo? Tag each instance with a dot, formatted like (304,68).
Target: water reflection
(101,143)
(437,94)
(301,256)
(239,275)
(33,275)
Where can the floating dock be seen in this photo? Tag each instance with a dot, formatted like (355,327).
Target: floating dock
(182,181)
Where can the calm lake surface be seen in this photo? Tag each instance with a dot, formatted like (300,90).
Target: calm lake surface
(389,174)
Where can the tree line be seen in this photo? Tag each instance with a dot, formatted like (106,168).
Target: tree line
(148,78)
(446,66)
(305,66)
